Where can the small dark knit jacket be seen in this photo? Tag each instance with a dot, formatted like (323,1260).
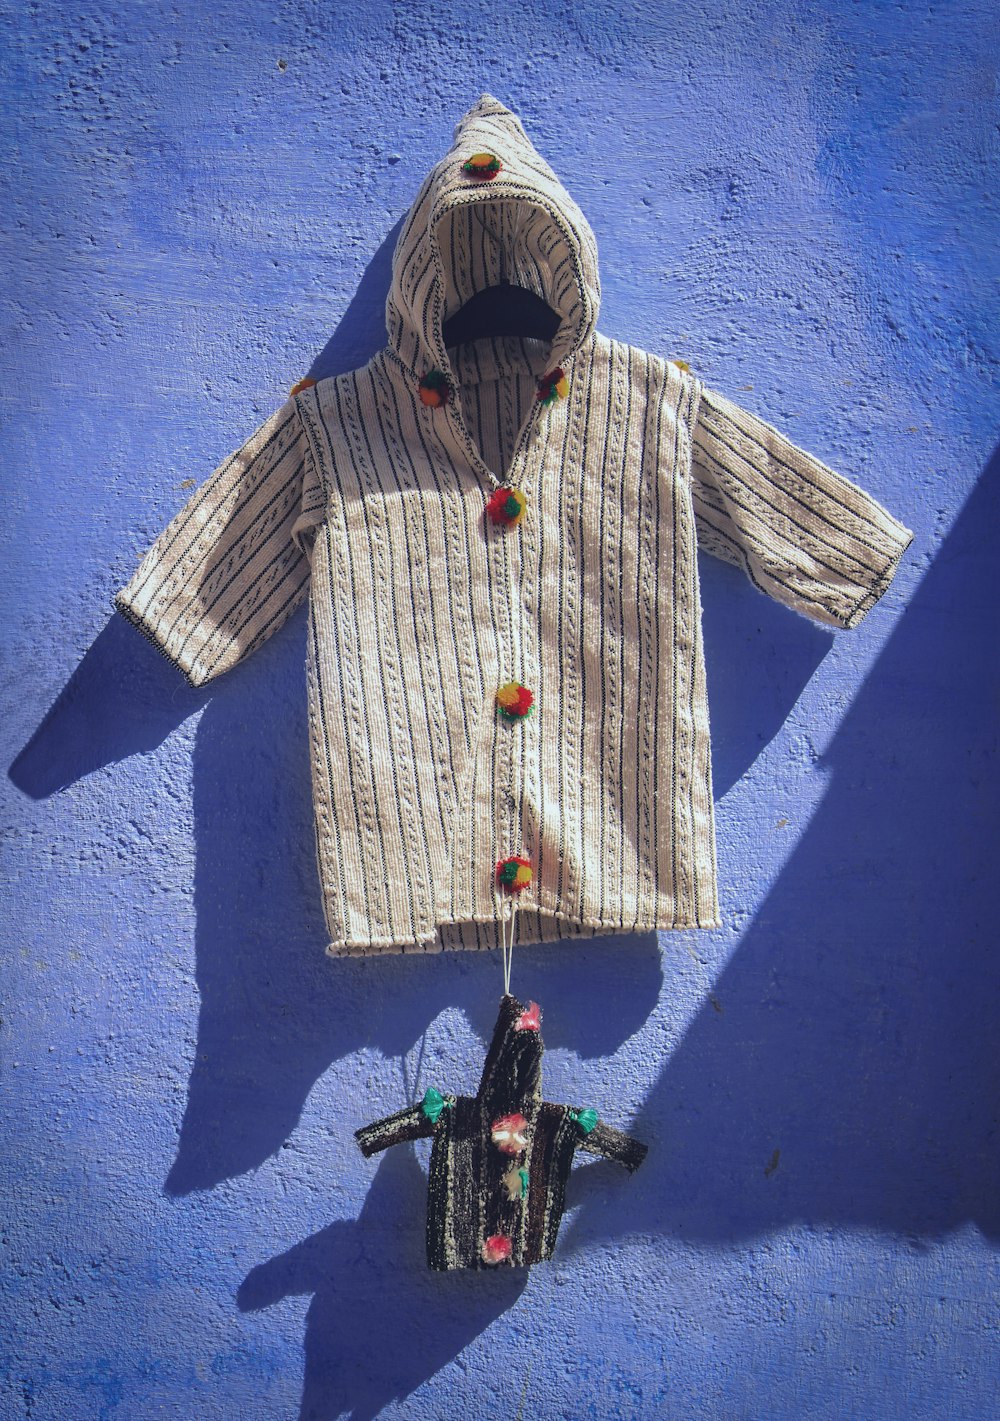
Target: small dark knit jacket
(501,1158)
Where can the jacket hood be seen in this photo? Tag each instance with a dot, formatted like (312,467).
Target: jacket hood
(464,233)
(512,1072)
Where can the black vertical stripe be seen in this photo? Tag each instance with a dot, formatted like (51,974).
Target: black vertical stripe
(412,828)
(329,800)
(602,464)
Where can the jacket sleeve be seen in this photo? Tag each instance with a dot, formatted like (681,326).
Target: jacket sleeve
(804,535)
(614,1145)
(412,1124)
(234,563)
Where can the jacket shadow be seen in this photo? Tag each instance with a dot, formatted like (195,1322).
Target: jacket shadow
(846,1074)
(124,698)
(273,1018)
(398,1337)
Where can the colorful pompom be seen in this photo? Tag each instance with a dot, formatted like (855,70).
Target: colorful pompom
(497,1249)
(515,1181)
(586,1119)
(681,365)
(483,166)
(306,384)
(553,386)
(530,1019)
(434,389)
(514,874)
(506,505)
(514,701)
(510,1134)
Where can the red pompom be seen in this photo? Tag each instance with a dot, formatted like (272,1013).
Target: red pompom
(514,874)
(483,166)
(553,386)
(514,700)
(529,1020)
(434,389)
(510,1134)
(497,1249)
(506,505)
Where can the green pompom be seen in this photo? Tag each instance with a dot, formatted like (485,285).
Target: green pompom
(433,1103)
(586,1119)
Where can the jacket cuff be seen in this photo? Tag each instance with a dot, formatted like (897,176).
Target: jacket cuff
(899,540)
(153,634)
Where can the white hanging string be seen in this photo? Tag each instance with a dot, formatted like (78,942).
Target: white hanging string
(507,941)
(506,925)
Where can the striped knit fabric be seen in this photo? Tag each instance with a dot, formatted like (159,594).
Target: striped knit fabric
(513,1191)
(371,500)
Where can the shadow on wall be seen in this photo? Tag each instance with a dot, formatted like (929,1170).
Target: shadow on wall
(124,698)
(397,1337)
(274,1011)
(850,1075)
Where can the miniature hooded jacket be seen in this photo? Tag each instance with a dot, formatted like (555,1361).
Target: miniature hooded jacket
(498,543)
(500,1160)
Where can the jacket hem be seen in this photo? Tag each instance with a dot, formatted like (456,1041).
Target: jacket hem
(432,942)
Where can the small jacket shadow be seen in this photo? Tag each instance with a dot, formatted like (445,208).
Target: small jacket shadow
(398,1336)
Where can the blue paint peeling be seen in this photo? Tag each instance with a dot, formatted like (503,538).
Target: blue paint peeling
(797,198)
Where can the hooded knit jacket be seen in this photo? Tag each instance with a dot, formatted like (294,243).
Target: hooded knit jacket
(500,1158)
(506,682)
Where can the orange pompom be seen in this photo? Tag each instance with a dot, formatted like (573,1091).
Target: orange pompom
(483,166)
(433,389)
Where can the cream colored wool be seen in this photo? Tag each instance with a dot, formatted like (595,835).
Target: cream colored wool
(358,495)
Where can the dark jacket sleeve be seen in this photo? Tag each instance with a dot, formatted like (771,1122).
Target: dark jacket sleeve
(405,1125)
(614,1145)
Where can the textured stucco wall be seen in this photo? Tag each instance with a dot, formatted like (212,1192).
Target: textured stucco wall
(800,200)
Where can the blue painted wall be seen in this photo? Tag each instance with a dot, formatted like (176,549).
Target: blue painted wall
(800,200)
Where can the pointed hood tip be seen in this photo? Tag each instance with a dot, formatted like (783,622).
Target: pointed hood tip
(539,235)
(487,100)
(485,107)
